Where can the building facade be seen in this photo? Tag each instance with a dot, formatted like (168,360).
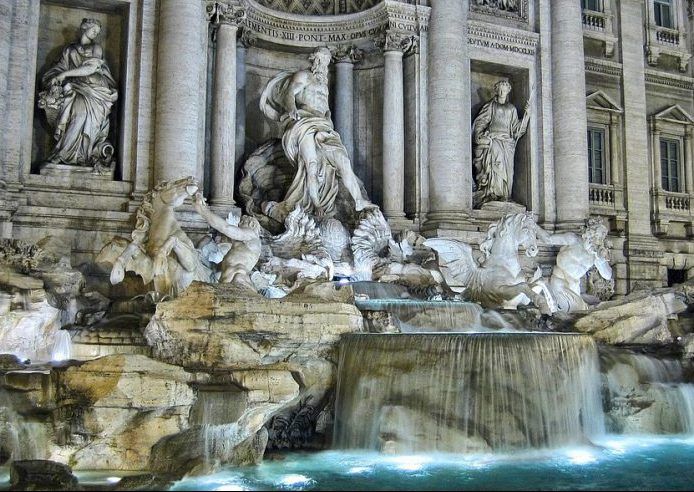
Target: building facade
(607,84)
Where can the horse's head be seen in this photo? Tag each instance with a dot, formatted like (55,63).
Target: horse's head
(528,234)
(510,232)
(174,193)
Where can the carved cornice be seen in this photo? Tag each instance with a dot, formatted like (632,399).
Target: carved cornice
(508,9)
(346,53)
(360,29)
(504,38)
(219,13)
(392,40)
(670,80)
(603,67)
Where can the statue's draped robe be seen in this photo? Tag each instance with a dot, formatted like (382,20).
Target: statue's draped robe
(84,115)
(328,145)
(494,162)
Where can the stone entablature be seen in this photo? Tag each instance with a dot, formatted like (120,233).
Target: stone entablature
(486,35)
(603,67)
(669,79)
(362,29)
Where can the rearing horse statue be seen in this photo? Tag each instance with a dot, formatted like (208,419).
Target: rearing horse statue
(497,280)
(160,252)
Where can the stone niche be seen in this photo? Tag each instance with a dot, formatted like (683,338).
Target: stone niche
(262,64)
(483,76)
(59,26)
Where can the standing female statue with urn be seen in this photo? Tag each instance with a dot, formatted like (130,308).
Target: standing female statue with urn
(495,133)
(78,98)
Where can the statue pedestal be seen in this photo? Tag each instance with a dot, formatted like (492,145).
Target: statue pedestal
(63,170)
(496,209)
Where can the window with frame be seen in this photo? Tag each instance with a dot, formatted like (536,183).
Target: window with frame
(594,5)
(597,172)
(663,13)
(670,164)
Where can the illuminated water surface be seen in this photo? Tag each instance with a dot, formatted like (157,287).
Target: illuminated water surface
(618,463)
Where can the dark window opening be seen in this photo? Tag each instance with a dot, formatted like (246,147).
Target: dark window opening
(594,5)
(596,156)
(670,164)
(676,277)
(663,13)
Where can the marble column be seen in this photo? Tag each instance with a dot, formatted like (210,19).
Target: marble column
(615,168)
(641,249)
(246,40)
(687,154)
(180,58)
(345,57)
(657,170)
(450,166)
(5,27)
(569,114)
(393,127)
(226,21)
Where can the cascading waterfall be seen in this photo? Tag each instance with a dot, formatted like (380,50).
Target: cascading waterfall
(20,438)
(62,347)
(646,394)
(438,316)
(467,392)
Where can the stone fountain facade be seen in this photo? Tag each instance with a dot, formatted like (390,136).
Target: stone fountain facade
(185,184)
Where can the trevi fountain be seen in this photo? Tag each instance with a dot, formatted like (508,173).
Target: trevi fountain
(346,245)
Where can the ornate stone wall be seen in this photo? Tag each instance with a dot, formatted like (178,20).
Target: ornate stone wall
(152,60)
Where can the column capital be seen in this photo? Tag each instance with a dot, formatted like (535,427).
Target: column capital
(346,53)
(392,40)
(221,13)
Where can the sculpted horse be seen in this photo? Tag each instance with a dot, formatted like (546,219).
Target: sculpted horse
(159,252)
(497,280)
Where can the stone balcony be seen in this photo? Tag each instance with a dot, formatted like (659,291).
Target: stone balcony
(598,25)
(607,200)
(667,41)
(671,207)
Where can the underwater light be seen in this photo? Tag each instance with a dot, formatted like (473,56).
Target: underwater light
(411,463)
(616,446)
(580,456)
(113,479)
(293,480)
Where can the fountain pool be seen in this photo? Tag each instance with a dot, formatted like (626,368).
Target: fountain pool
(613,463)
(621,463)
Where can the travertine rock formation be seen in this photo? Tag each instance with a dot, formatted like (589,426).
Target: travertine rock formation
(637,319)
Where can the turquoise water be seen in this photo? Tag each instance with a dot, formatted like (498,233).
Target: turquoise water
(617,464)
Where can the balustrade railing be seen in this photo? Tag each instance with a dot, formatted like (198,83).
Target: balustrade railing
(667,36)
(601,195)
(676,201)
(594,20)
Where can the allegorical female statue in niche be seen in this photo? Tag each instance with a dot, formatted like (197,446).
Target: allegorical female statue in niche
(495,133)
(79,93)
